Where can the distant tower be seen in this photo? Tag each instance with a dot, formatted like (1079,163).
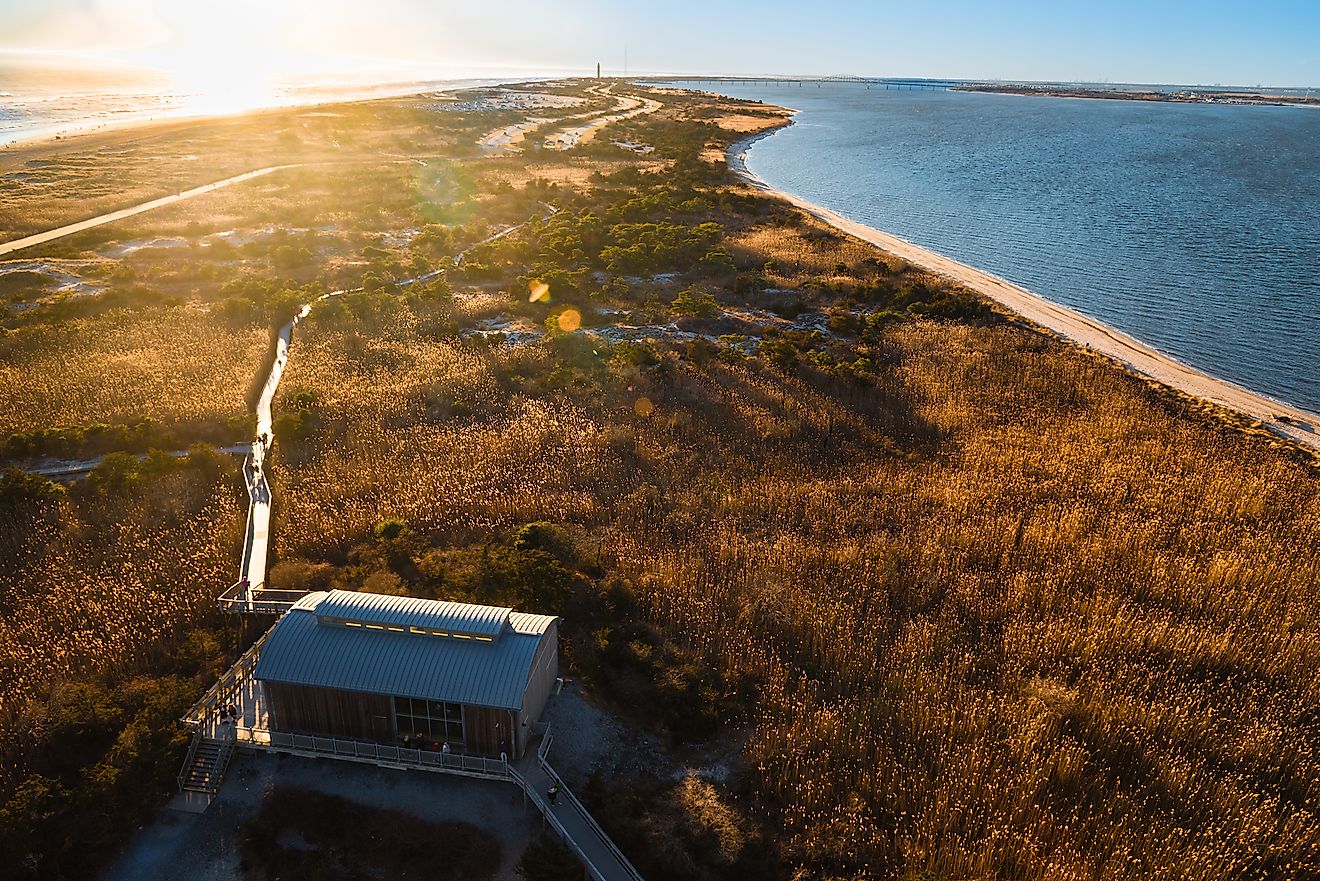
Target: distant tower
(597,70)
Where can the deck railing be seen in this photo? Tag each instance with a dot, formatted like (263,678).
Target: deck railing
(258,600)
(365,750)
(226,686)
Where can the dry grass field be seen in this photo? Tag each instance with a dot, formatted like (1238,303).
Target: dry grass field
(48,185)
(963,602)
(175,366)
(1009,615)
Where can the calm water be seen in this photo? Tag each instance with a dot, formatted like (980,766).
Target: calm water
(37,101)
(1195,228)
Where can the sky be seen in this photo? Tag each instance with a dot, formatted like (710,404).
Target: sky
(1272,43)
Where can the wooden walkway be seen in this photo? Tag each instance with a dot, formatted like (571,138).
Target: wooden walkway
(573,822)
(249,593)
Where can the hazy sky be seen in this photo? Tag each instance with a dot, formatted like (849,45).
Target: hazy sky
(1270,43)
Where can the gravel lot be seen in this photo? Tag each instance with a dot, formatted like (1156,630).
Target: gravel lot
(203,847)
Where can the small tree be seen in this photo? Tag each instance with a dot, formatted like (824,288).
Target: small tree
(547,860)
(694,304)
(718,261)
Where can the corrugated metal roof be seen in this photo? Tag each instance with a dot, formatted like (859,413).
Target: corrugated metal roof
(302,650)
(525,622)
(308,602)
(410,611)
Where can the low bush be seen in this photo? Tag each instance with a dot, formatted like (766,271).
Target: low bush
(300,833)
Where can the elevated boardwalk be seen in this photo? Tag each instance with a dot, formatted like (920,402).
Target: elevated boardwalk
(249,595)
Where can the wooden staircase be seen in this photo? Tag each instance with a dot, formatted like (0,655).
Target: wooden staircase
(204,769)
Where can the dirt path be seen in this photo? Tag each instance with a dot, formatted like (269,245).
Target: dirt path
(1296,424)
(628,107)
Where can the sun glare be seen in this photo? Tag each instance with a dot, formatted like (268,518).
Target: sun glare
(226,57)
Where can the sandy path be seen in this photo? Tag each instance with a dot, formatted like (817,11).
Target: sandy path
(61,232)
(508,137)
(1304,427)
(628,107)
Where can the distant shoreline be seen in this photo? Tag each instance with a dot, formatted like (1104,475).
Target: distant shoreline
(1187,96)
(1296,425)
(63,130)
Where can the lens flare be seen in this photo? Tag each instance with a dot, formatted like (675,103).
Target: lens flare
(643,406)
(570,320)
(538,292)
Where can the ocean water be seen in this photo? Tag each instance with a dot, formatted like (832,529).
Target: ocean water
(40,100)
(1194,228)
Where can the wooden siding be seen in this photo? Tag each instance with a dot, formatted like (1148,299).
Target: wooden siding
(483,728)
(304,709)
(540,682)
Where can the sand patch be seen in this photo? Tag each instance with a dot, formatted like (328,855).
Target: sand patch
(744,123)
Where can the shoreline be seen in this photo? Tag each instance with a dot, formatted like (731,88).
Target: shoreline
(1191,96)
(1301,427)
(72,129)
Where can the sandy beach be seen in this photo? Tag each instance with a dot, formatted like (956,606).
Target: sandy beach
(1296,424)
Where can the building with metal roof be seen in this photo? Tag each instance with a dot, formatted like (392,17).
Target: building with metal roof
(384,668)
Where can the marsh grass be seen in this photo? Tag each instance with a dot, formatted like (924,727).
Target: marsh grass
(178,367)
(992,608)
(1009,613)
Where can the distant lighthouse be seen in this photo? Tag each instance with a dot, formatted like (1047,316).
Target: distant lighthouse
(597,70)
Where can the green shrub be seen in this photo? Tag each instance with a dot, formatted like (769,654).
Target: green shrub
(390,528)
(545,859)
(694,304)
(544,536)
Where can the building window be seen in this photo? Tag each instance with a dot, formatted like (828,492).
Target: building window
(435,720)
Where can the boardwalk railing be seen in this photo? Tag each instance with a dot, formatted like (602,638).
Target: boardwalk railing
(578,847)
(364,750)
(595,827)
(543,729)
(258,600)
(226,686)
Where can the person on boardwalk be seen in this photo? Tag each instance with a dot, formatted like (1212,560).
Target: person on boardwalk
(445,748)
(504,750)
(553,793)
